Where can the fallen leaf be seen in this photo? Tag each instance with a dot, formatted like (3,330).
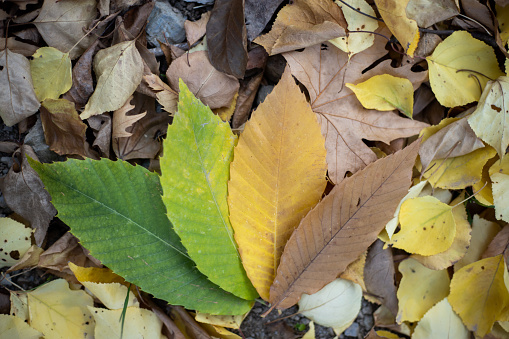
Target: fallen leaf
(13,327)
(499,174)
(101,127)
(230,321)
(119,70)
(258,14)
(355,271)
(195,30)
(213,88)
(440,322)
(18,47)
(479,295)
(336,305)
(17,96)
(15,240)
(271,188)
(310,334)
(96,274)
(226,37)
(121,120)
(166,96)
(420,288)
(303,24)
(51,73)
(385,93)
(484,187)
(499,244)
(113,295)
(428,12)
(226,113)
(459,69)
(341,227)
(28,260)
(247,93)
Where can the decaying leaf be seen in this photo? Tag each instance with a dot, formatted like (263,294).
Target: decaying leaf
(341,227)
(51,73)
(82,81)
(429,12)
(15,240)
(195,30)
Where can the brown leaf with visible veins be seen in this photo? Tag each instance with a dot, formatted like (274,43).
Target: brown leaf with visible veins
(323,70)
(342,226)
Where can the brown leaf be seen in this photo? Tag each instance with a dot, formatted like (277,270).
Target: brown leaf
(226,37)
(101,125)
(247,94)
(167,97)
(195,30)
(19,47)
(24,193)
(429,12)
(323,70)
(258,14)
(304,23)
(121,120)
(499,245)
(342,226)
(187,323)
(213,88)
(29,259)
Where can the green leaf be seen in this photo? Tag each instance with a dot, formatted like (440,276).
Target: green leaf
(195,169)
(116,211)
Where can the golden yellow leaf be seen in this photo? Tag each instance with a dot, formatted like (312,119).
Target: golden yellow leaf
(420,288)
(219,332)
(427,226)
(440,322)
(484,187)
(276,177)
(459,69)
(499,174)
(355,271)
(96,274)
(13,327)
(394,15)
(385,93)
(51,73)
(226,113)
(479,294)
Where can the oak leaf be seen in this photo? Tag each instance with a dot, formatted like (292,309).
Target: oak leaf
(121,120)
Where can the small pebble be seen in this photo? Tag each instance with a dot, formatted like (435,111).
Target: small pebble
(368,322)
(353,330)
(304,321)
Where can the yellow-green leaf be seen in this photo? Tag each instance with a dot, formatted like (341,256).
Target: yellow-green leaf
(385,93)
(51,73)
(459,69)
(499,174)
(479,294)
(277,176)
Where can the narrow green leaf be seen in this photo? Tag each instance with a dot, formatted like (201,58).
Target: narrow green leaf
(116,211)
(195,170)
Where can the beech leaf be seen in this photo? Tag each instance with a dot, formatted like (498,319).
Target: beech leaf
(51,73)
(342,226)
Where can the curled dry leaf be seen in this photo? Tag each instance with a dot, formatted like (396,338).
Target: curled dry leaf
(215,89)
(17,96)
(342,226)
(166,96)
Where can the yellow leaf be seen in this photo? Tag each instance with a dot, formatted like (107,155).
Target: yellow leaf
(484,187)
(58,312)
(15,240)
(490,120)
(51,73)
(479,294)
(231,321)
(12,327)
(459,69)
(95,274)
(499,174)
(119,70)
(385,93)
(503,22)
(355,271)
(357,42)
(112,295)
(440,322)
(427,226)
(310,334)
(226,113)
(420,288)
(277,176)
(219,332)
(393,13)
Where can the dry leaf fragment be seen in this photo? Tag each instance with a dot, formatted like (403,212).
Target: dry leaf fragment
(16,46)
(166,96)
(121,120)
(195,30)
(342,226)
(51,73)
(82,81)
(429,12)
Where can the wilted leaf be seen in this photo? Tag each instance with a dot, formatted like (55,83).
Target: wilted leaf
(119,70)
(271,188)
(51,73)
(499,244)
(499,174)
(167,97)
(385,93)
(18,47)
(302,24)
(336,305)
(195,172)
(226,37)
(479,295)
(13,327)
(17,96)
(459,69)
(341,227)
(419,289)
(440,322)
(15,240)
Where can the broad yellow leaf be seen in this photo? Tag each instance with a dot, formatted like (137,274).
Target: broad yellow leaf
(490,120)
(459,69)
(427,226)
(419,289)
(277,176)
(440,322)
(112,295)
(357,42)
(95,274)
(14,240)
(479,294)
(59,312)
(385,93)
(499,174)
(13,327)
(51,73)
(119,70)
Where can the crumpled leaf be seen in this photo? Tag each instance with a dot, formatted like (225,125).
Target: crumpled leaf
(15,240)
(51,73)
(440,322)
(17,96)
(385,93)
(303,23)
(215,89)
(479,294)
(419,289)
(121,120)
(166,96)
(13,327)
(119,70)
(490,120)
(336,305)
(270,188)
(459,69)
(323,241)
(499,174)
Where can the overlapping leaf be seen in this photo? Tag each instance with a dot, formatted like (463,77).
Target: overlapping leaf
(51,73)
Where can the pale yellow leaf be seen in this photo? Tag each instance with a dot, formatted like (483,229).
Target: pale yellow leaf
(499,174)
(112,295)
(441,322)
(12,327)
(15,241)
(51,73)
(231,321)
(310,334)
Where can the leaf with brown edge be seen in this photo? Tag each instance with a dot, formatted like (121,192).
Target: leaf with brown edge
(226,37)
(342,226)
